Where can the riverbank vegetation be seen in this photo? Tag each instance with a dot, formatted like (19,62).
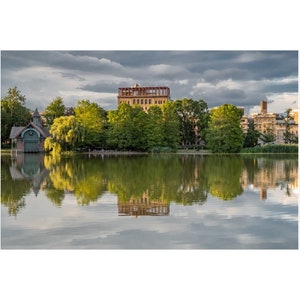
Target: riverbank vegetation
(272,149)
(179,124)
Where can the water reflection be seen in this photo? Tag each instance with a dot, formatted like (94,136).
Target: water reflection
(19,175)
(144,185)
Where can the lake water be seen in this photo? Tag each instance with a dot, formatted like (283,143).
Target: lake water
(149,202)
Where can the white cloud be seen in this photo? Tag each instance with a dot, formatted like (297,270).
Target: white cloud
(182,82)
(278,103)
(229,84)
(165,69)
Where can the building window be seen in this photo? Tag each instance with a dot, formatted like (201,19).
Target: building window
(138,101)
(142,102)
(145,101)
(133,101)
(149,101)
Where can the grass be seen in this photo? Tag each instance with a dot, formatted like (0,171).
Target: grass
(272,149)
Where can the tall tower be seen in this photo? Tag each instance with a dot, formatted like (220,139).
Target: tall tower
(263,107)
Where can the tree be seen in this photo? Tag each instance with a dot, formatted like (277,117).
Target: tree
(171,125)
(13,112)
(268,137)
(193,116)
(127,128)
(54,110)
(288,137)
(154,127)
(223,175)
(224,133)
(251,138)
(66,132)
(93,119)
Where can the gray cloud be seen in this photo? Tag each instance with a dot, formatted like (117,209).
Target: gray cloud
(238,77)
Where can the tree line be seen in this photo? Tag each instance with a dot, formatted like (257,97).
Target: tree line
(184,123)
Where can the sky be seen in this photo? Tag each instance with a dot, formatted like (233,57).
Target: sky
(242,78)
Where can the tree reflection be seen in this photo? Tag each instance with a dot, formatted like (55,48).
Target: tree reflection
(82,177)
(18,176)
(145,184)
(224,176)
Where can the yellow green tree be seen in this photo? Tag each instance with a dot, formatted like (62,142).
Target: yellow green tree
(54,110)
(93,120)
(224,133)
(66,133)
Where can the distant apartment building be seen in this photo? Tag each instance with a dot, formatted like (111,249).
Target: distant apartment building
(144,96)
(266,122)
(244,120)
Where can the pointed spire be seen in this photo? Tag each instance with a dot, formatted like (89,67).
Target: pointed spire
(36,113)
(37,118)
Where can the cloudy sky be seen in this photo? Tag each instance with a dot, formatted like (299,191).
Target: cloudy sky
(242,78)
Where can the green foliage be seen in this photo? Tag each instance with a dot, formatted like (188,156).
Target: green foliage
(171,126)
(13,112)
(67,132)
(193,116)
(289,138)
(224,134)
(52,145)
(251,138)
(272,149)
(54,110)
(93,119)
(125,127)
(268,137)
(130,128)
(154,128)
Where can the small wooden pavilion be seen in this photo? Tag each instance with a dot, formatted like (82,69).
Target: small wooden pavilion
(29,139)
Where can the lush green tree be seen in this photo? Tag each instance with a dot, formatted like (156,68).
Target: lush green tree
(93,119)
(66,132)
(54,110)
(251,137)
(13,112)
(193,116)
(154,127)
(171,125)
(224,133)
(127,128)
(120,127)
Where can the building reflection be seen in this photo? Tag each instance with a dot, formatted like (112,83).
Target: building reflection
(270,175)
(30,167)
(143,207)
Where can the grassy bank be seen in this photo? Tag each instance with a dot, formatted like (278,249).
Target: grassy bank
(272,149)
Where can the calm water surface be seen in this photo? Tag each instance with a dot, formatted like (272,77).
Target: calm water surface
(149,202)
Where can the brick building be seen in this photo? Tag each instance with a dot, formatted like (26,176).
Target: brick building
(144,96)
